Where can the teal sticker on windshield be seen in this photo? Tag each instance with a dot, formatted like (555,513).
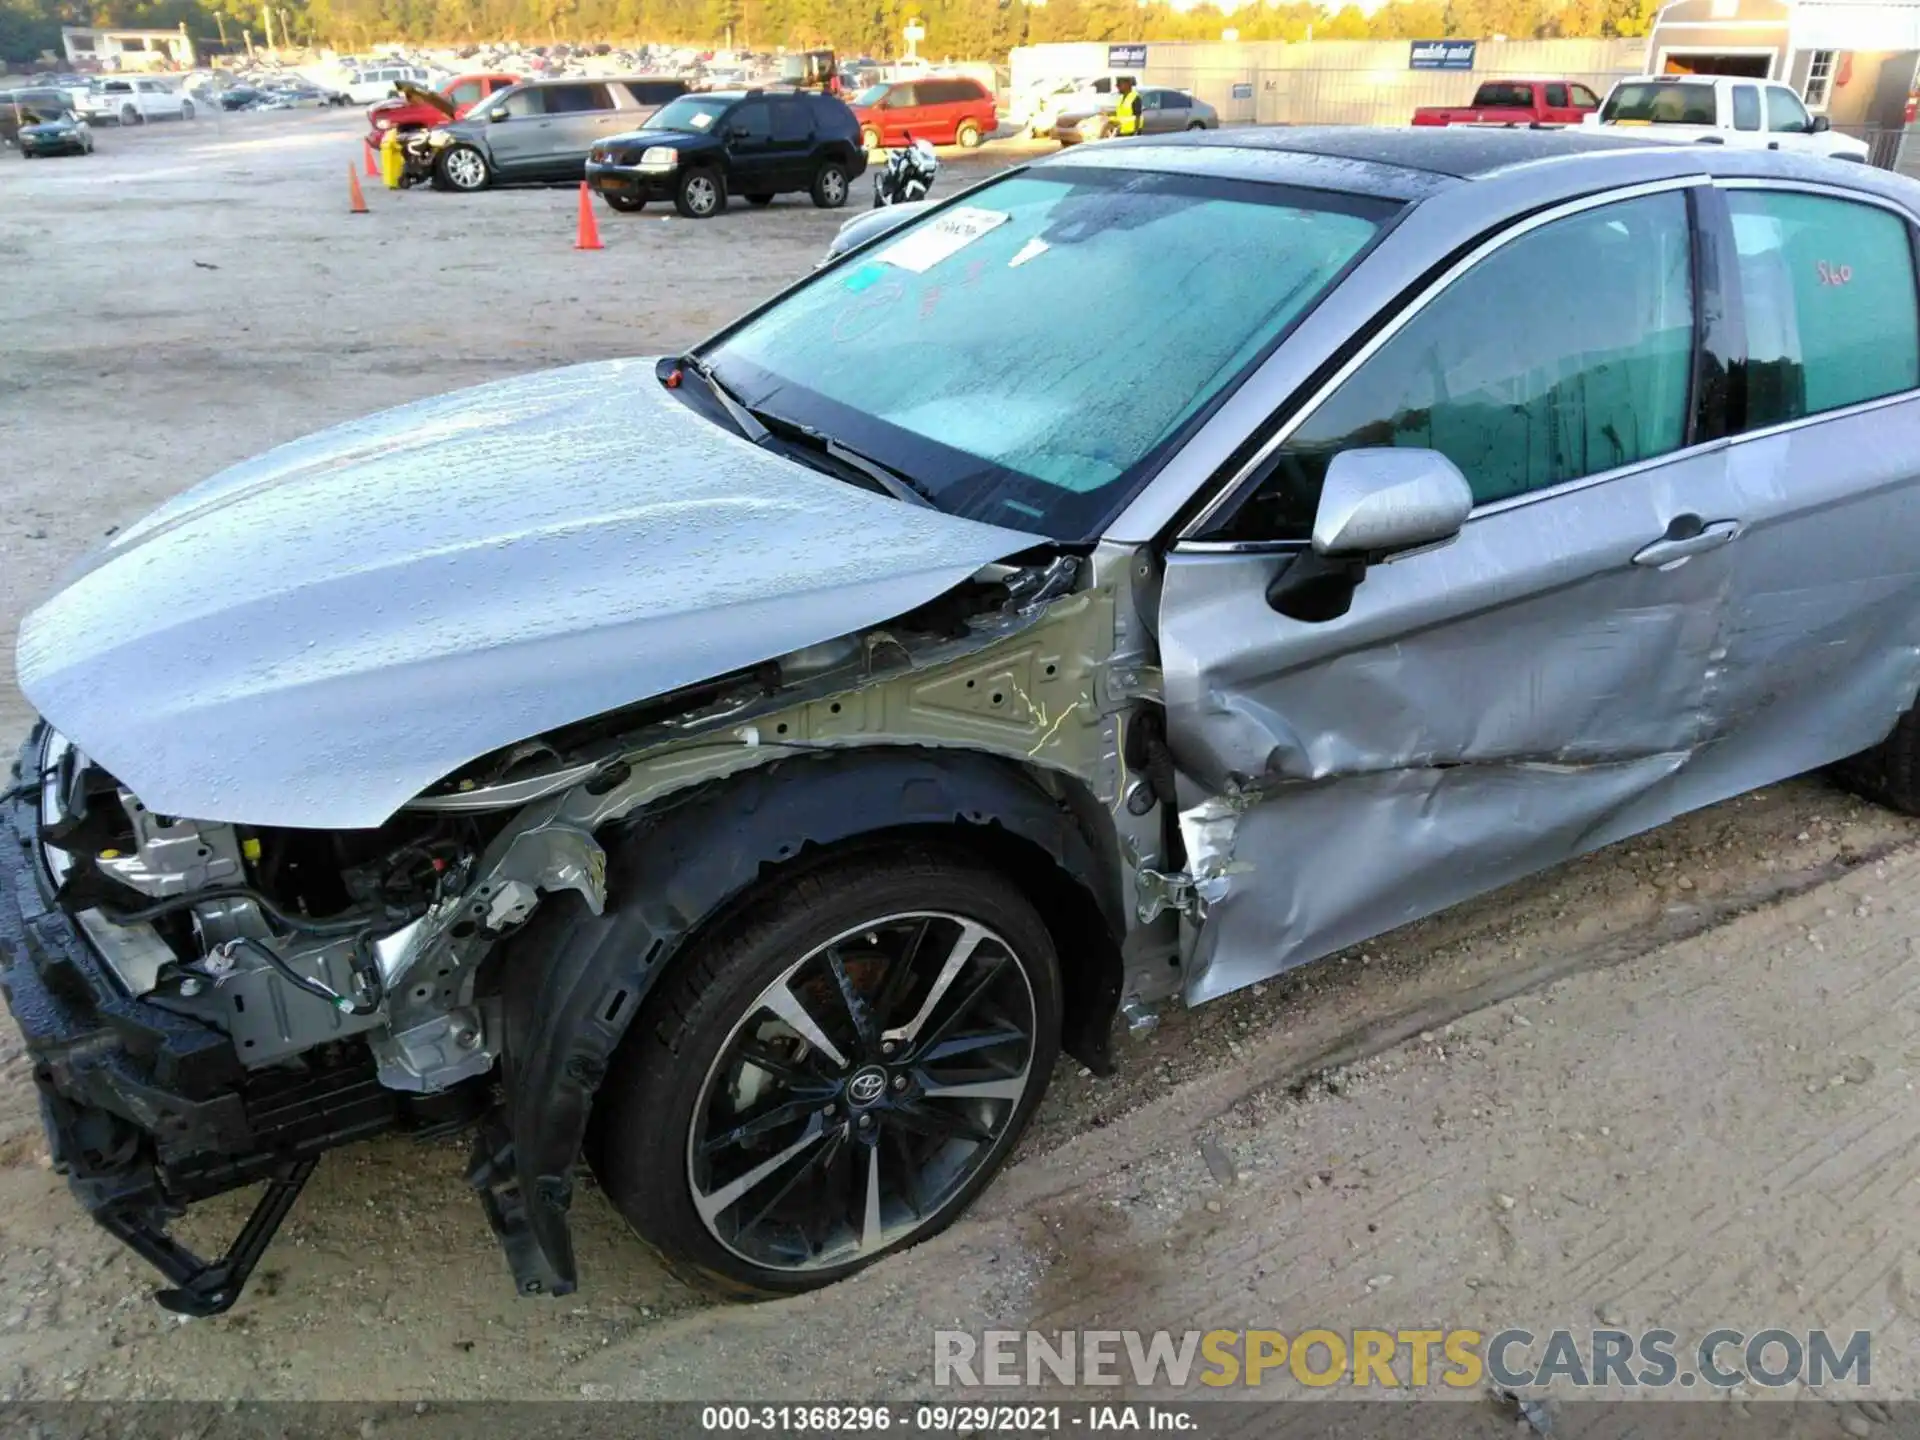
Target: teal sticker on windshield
(866,275)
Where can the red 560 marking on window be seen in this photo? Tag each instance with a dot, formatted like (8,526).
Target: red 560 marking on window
(1833,274)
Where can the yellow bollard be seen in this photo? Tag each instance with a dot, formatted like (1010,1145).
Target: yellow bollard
(393,160)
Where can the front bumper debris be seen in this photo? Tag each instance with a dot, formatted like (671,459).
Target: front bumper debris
(148,1111)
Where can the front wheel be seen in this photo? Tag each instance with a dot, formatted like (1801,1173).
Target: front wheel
(700,194)
(461,167)
(834,1074)
(830,186)
(869,138)
(967,135)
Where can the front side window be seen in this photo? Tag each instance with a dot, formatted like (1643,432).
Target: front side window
(748,124)
(1584,98)
(465,93)
(1521,377)
(523,104)
(901,97)
(1827,287)
(1785,114)
(1746,108)
(1659,102)
(1025,355)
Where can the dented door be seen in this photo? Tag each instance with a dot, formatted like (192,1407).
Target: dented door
(1536,687)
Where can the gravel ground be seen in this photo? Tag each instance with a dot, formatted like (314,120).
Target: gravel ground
(1643,1043)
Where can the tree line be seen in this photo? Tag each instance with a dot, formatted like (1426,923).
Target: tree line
(955,29)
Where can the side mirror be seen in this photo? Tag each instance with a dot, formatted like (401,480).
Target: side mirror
(496,115)
(1374,505)
(1820,125)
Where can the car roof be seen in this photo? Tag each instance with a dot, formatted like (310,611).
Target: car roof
(1412,163)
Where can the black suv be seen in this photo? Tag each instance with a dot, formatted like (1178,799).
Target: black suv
(757,143)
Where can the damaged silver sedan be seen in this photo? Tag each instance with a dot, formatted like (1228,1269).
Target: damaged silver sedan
(745,773)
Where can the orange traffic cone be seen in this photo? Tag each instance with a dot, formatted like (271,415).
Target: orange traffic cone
(358,202)
(588,237)
(373,170)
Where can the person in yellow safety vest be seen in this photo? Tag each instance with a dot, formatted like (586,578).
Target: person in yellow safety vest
(1126,113)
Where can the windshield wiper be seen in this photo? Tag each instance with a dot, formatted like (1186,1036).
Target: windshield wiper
(900,487)
(747,422)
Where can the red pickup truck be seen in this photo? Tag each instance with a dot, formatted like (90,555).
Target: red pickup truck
(1516,102)
(417,109)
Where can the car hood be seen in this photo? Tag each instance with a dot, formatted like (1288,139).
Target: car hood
(313,637)
(410,95)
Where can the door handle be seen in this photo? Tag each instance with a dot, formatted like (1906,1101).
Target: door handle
(1685,537)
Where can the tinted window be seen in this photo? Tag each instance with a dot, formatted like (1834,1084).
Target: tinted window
(1746,108)
(1520,378)
(748,123)
(791,121)
(577,99)
(1557,95)
(940,92)
(655,92)
(1785,114)
(1175,100)
(1828,291)
(1657,102)
(1506,95)
(1584,97)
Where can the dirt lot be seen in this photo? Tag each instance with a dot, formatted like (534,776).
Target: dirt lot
(1668,1084)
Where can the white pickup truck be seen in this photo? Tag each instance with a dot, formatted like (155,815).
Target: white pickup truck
(1721,110)
(133,100)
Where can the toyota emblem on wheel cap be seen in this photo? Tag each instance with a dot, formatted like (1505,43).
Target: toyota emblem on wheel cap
(868,1086)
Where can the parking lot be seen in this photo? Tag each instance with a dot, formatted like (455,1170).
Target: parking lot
(1411,1127)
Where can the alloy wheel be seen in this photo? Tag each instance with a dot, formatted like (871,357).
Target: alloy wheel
(466,169)
(833,186)
(861,1090)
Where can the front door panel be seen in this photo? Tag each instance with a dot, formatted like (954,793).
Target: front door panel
(1484,710)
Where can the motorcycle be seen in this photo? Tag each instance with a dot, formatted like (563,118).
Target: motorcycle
(907,175)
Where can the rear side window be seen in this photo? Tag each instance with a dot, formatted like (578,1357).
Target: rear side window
(749,122)
(1828,291)
(577,99)
(791,121)
(1507,96)
(1656,102)
(1557,95)
(655,92)
(1746,108)
(1520,378)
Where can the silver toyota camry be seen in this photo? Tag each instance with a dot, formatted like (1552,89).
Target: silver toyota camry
(744,773)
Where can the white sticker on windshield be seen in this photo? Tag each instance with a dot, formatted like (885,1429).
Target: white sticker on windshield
(933,242)
(700,119)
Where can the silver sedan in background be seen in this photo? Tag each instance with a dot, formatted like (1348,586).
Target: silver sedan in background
(1162,112)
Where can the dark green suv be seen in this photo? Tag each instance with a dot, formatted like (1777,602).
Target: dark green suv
(757,143)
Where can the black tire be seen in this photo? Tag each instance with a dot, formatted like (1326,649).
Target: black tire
(625,204)
(1889,773)
(966,135)
(759,199)
(700,194)
(186,109)
(129,115)
(1197,125)
(462,168)
(830,185)
(679,1072)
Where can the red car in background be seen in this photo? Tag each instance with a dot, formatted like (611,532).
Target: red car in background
(415,108)
(1516,102)
(940,109)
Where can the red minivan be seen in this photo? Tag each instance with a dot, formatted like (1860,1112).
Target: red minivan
(941,109)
